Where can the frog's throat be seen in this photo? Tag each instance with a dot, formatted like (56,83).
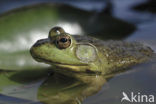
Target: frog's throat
(74,68)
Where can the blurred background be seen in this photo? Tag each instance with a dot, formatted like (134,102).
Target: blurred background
(22,22)
(104,19)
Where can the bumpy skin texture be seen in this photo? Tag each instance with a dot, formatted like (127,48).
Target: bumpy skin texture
(117,55)
(111,56)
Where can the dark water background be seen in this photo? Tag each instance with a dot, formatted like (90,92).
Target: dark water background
(143,77)
(145,20)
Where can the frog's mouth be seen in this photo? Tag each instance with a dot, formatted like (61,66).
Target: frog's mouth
(71,67)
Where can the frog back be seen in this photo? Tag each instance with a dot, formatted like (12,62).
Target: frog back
(118,54)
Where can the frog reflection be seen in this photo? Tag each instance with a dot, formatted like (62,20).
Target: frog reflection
(60,89)
(55,88)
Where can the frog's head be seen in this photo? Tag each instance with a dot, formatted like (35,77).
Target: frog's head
(63,52)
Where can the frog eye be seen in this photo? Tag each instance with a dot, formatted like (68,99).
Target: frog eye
(63,41)
(55,31)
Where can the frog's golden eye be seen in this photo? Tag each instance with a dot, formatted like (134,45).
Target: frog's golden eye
(63,41)
(55,31)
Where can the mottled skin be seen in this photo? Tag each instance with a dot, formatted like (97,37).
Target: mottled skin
(103,57)
(81,57)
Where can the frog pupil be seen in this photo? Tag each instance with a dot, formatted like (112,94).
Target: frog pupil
(63,40)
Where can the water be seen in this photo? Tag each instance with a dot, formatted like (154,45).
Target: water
(143,20)
(140,78)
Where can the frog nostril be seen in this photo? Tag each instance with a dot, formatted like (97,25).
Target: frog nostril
(63,40)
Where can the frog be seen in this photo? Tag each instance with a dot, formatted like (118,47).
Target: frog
(69,54)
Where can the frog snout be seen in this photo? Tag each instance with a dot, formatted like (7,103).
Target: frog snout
(40,42)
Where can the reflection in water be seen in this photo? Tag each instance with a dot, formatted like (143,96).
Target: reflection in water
(50,89)
(53,88)
(66,90)
(141,78)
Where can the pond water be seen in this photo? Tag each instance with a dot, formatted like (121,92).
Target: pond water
(139,79)
(142,78)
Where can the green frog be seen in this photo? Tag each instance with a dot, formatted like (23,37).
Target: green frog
(70,54)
